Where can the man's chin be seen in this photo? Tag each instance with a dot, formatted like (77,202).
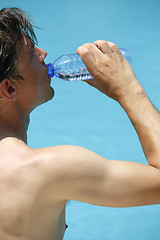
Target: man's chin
(44,100)
(53,92)
(49,97)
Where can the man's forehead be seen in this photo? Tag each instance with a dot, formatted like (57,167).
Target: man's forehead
(25,51)
(26,47)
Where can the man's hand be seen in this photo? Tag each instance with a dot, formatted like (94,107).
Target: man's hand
(112,73)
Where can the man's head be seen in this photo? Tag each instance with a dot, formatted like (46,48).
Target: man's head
(22,68)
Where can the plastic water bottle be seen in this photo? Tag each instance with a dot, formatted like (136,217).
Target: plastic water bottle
(70,67)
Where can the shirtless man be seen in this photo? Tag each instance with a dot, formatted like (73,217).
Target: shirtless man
(35,184)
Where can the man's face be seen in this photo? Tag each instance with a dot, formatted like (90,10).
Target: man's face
(35,87)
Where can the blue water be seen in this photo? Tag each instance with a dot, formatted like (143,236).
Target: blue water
(80,115)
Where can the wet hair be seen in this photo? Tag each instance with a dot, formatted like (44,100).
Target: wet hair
(14,25)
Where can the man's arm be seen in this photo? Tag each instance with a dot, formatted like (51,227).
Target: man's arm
(76,173)
(82,175)
(114,76)
(146,121)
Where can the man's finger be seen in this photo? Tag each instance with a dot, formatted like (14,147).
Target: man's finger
(89,54)
(104,47)
(85,54)
(115,49)
(108,48)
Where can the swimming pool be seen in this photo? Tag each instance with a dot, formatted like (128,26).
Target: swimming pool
(79,115)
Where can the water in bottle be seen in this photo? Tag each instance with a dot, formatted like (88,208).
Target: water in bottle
(70,67)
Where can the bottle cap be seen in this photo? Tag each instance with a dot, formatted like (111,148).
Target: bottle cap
(50,69)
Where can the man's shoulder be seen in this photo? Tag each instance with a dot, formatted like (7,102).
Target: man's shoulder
(14,148)
(54,166)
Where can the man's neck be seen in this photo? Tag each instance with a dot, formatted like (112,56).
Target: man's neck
(14,127)
(6,134)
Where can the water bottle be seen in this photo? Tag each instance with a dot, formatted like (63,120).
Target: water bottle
(70,67)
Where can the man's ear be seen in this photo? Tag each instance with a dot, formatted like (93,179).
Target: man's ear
(8,90)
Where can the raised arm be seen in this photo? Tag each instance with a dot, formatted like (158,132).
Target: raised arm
(75,173)
(114,76)
(85,176)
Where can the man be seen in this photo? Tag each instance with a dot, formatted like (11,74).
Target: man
(35,184)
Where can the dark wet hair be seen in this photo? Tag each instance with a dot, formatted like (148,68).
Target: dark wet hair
(14,23)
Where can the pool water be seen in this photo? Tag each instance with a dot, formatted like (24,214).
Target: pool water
(80,115)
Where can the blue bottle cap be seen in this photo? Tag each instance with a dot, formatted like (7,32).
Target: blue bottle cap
(50,69)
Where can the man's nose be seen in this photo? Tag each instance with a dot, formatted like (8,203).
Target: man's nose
(41,53)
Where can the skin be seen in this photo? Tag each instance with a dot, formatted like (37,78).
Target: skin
(35,184)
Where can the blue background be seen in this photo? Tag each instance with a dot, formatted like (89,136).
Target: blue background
(80,115)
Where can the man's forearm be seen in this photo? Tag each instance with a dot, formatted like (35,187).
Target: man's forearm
(146,120)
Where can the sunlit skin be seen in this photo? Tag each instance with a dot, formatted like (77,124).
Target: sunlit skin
(35,89)
(35,184)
